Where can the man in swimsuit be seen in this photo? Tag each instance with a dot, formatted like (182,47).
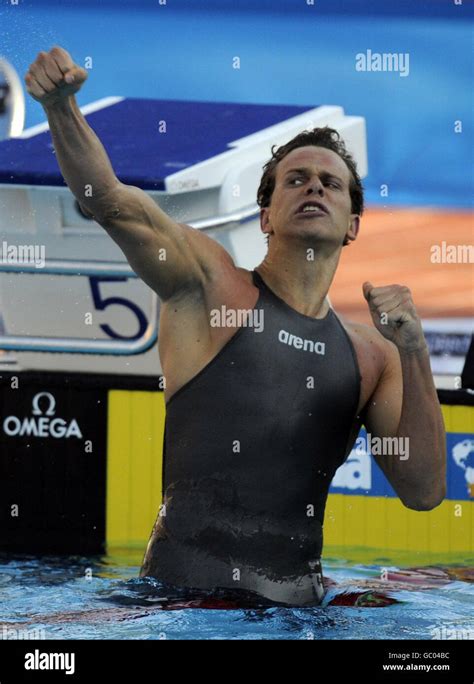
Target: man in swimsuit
(259,417)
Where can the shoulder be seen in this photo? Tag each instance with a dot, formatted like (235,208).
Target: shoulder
(368,334)
(372,348)
(221,277)
(210,251)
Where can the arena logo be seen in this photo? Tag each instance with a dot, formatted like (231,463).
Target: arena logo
(41,423)
(299,343)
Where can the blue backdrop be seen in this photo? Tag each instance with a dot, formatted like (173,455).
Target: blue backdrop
(290,52)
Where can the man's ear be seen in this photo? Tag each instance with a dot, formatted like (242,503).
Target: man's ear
(265,220)
(353,230)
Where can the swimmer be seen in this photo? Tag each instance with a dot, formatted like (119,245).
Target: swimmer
(258,421)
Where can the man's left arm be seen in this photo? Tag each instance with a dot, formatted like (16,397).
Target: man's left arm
(405,404)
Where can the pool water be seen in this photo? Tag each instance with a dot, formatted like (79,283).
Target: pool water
(103,598)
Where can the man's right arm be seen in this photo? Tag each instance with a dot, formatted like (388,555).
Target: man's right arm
(171,258)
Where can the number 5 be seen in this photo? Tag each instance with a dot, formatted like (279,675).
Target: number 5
(101,304)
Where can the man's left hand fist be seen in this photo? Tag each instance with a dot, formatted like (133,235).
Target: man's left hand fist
(394,315)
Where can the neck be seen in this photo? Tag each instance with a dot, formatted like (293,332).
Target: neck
(301,282)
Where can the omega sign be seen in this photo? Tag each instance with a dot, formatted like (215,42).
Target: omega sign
(41,423)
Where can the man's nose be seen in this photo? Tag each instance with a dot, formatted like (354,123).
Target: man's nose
(315,186)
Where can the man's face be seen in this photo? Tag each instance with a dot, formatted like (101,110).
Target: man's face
(314,175)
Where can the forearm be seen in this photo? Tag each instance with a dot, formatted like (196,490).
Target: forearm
(420,475)
(81,156)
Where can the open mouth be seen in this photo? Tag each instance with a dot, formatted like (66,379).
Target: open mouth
(312,209)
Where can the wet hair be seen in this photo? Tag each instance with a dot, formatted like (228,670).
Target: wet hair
(319,137)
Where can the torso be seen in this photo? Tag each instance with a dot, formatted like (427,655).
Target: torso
(187,342)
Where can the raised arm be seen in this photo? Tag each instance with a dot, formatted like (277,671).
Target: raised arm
(405,405)
(170,257)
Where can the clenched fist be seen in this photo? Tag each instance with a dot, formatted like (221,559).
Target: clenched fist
(53,77)
(394,315)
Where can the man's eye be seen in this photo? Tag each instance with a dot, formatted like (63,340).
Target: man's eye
(296,179)
(333,185)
